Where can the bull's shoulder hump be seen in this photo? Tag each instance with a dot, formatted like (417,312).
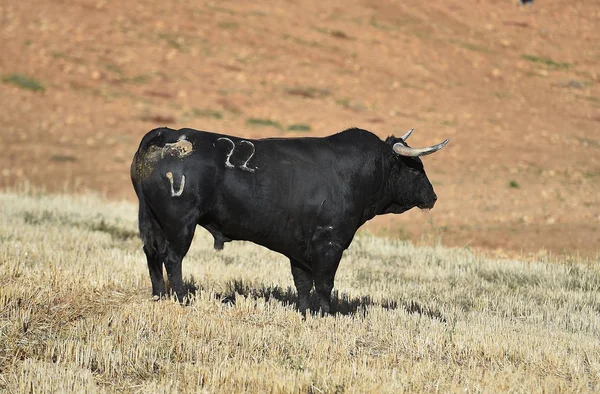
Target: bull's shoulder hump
(355,134)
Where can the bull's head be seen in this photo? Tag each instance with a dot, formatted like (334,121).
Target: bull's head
(409,184)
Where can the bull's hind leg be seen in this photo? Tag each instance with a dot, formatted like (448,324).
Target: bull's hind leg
(154,247)
(156,273)
(178,245)
(304,282)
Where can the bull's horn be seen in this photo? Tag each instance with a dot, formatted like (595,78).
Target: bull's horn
(408,133)
(402,150)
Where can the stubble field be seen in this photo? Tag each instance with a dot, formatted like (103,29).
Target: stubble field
(516,89)
(76,315)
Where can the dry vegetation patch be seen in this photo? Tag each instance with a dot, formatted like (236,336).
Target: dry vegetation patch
(76,315)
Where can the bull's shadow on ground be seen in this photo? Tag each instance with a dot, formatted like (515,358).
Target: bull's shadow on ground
(340,303)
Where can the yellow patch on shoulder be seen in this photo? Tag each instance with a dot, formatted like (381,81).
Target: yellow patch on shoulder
(179,149)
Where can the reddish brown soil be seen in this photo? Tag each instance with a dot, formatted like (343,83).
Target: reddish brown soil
(516,89)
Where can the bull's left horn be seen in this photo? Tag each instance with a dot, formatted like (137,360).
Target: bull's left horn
(408,133)
(402,150)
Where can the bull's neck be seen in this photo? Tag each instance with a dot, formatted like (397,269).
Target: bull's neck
(382,198)
(377,208)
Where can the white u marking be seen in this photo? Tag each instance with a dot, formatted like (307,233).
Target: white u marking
(181,185)
(227,162)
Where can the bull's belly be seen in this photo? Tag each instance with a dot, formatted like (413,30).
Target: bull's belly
(281,239)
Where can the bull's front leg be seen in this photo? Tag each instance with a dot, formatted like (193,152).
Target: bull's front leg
(325,263)
(304,283)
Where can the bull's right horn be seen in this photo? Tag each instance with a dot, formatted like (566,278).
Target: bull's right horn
(404,150)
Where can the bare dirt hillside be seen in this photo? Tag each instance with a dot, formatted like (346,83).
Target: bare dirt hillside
(516,89)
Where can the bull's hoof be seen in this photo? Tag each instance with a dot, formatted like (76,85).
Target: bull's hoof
(155,298)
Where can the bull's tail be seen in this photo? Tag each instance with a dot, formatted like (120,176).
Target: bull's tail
(149,227)
(150,230)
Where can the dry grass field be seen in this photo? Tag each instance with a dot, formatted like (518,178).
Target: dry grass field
(76,315)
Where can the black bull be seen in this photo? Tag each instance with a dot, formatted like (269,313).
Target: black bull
(302,197)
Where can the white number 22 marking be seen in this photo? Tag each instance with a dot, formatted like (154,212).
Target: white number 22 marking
(244,165)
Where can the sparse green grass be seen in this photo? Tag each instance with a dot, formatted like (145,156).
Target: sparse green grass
(574,84)
(410,85)
(259,122)
(117,71)
(448,123)
(300,41)
(76,315)
(206,113)
(141,79)
(230,25)
(67,57)
(63,158)
(591,174)
(340,34)
(379,25)
(308,92)
(406,20)
(423,35)
(24,82)
(173,40)
(592,99)
(549,63)
(589,141)
(469,46)
(348,103)
(502,95)
(299,127)
(334,33)
(344,102)
(514,184)
(114,68)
